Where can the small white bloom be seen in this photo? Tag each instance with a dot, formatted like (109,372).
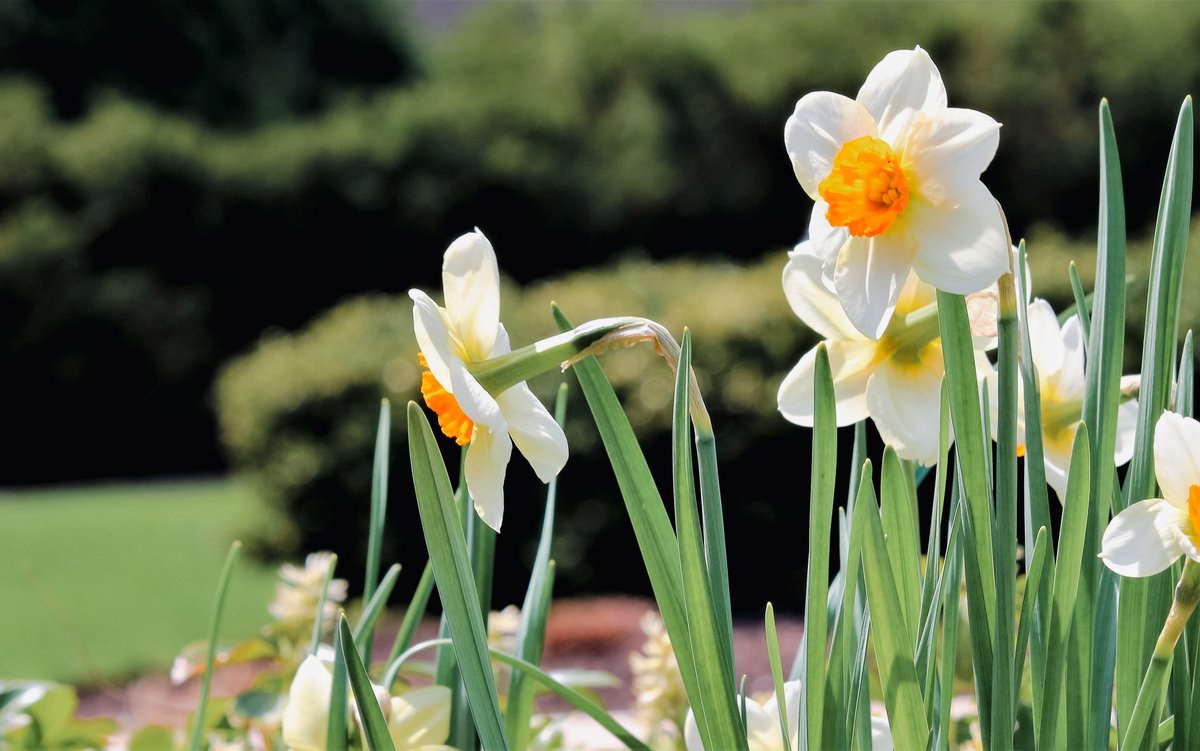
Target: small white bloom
(1150,535)
(306,717)
(895,177)
(299,591)
(468,331)
(764,733)
(1058,357)
(896,380)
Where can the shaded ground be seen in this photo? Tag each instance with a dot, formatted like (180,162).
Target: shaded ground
(597,634)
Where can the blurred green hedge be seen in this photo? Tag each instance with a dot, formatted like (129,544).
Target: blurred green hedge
(141,245)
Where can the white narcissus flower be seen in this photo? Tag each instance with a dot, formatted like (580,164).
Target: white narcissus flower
(896,380)
(419,719)
(1148,536)
(764,733)
(468,331)
(895,177)
(1058,357)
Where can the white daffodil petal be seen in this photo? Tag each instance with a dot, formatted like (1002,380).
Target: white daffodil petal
(539,438)
(881,734)
(815,132)
(1071,383)
(827,240)
(870,273)
(904,80)
(1045,340)
(433,337)
(762,726)
(850,365)
(1127,414)
(915,295)
(420,718)
(1143,539)
(306,717)
(905,403)
(813,302)
(947,150)
(1177,456)
(691,732)
(964,249)
(487,463)
(474,399)
(471,284)
(1056,452)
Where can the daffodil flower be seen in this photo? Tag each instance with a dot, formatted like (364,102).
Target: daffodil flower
(306,717)
(1058,357)
(1149,536)
(895,177)
(419,719)
(763,731)
(896,380)
(468,332)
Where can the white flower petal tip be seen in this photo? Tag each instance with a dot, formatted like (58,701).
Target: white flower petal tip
(306,717)
(1177,456)
(453,338)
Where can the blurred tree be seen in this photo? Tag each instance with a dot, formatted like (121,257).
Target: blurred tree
(229,62)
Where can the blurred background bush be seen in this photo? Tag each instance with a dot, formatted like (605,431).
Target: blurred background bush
(202,188)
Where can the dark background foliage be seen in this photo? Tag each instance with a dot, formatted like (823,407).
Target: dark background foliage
(181,179)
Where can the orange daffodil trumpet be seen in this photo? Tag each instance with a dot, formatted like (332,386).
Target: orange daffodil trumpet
(453,339)
(1149,536)
(895,177)
(896,380)
(1058,357)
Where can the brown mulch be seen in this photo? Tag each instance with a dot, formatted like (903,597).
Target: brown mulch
(594,634)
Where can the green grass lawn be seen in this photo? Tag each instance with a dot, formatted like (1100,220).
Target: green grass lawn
(99,582)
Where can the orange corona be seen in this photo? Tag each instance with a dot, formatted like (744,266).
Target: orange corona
(866,189)
(452,420)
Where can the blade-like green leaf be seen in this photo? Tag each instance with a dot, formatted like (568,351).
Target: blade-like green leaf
(890,636)
(413,615)
(336,735)
(371,612)
(1066,584)
(777,677)
(452,570)
(379,488)
(1033,580)
(820,516)
(899,511)
(213,634)
(1005,560)
(374,724)
(1143,603)
(716,709)
(531,633)
(319,619)
(1081,301)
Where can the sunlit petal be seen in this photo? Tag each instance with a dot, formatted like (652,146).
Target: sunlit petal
(1127,414)
(539,438)
(850,364)
(904,80)
(1045,340)
(420,718)
(471,283)
(963,249)
(1071,384)
(306,717)
(871,272)
(827,240)
(814,303)
(487,463)
(946,151)
(1143,539)
(1177,456)
(821,123)
(905,404)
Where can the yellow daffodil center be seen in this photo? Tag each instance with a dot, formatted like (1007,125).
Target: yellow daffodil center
(1194,508)
(453,421)
(866,189)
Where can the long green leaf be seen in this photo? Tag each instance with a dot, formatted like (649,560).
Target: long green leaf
(820,517)
(1143,603)
(213,634)
(899,511)
(374,608)
(716,709)
(452,570)
(319,618)
(1066,584)
(379,489)
(777,677)
(890,635)
(531,633)
(375,726)
(1033,580)
(644,505)
(1005,560)
(336,737)
(413,615)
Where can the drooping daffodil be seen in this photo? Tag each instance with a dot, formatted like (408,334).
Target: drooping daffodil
(466,332)
(896,380)
(1150,535)
(764,732)
(894,174)
(1058,358)
(418,720)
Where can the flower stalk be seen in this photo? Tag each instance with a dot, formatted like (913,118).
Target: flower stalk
(1154,685)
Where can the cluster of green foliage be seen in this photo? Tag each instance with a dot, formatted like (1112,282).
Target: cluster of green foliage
(149,232)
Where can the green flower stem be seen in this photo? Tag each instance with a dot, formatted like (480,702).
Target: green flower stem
(1187,595)
(917,329)
(500,373)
